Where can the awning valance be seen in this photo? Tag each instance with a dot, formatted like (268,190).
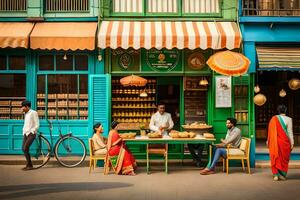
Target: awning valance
(64,35)
(278,58)
(15,34)
(163,34)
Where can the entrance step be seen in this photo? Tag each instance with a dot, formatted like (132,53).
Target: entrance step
(293,164)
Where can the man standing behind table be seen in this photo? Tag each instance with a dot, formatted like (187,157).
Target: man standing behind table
(161,121)
(30,128)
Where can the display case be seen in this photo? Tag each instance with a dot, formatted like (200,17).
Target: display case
(62,106)
(129,107)
(10,108)
(241,103)
(195,100)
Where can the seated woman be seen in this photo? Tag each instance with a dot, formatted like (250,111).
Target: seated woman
(121,159)
(98,140)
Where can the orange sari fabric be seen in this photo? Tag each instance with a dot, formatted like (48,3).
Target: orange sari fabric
(279,146)
(121,159)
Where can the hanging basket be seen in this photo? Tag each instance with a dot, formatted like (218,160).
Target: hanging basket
(294,84)
(259,99)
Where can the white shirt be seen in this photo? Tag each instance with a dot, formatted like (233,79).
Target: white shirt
(31,122)
(158,120)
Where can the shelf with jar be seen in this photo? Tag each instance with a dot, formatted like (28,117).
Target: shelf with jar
(241,104)
(195,100)
(10,108)
(62,106)
(128,106)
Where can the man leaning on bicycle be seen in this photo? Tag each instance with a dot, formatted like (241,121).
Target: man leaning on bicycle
(30,128)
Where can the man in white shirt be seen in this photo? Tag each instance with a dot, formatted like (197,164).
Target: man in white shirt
(30,128)
(161,121)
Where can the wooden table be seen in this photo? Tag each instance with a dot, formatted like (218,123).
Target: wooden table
(144,140)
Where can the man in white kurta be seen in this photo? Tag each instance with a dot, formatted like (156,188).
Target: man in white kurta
(161,121)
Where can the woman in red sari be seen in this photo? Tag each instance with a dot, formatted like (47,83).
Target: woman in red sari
(280,143)
(118,156)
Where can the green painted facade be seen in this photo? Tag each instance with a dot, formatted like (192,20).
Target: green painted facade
(100,72)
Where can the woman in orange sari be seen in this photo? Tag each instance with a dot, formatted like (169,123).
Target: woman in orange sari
(280,143)
(118,156)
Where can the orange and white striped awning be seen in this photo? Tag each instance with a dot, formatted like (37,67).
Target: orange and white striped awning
(158,34)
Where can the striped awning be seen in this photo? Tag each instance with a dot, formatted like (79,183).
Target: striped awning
(157,34)
(278,58)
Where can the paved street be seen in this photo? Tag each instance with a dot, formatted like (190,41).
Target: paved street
(181,183)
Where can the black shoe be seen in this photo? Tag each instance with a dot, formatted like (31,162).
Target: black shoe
(27,168)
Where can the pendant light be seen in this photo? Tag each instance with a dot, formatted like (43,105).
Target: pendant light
(143,94)
(282,93)
(257,89)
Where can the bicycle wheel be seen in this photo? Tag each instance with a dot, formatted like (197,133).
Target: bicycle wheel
(70,151)
(40,151)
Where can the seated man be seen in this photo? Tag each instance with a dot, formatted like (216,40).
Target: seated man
(98,140)
(161,121)
(233,137)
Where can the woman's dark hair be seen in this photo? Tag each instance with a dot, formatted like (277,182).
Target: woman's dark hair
(232,120)
(114,124)
(26,103)
(281,109)
(97,125)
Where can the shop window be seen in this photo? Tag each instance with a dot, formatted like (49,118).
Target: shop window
(2,62)
(64,62)
(17,62)
(13,92)
(13,5)
(46,62)
(66,5)
(66,96)
(81,62)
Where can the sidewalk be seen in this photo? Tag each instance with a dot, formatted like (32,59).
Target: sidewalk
(20,160)
(181,183)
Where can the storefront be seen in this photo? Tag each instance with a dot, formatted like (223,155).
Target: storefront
(272,45)
(53,74)
(172,57)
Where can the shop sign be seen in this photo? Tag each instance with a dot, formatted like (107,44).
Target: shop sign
(162,60)
(196,61)
(125,60)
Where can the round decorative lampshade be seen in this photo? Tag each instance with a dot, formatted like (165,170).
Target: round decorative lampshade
(229,63)
(133,80)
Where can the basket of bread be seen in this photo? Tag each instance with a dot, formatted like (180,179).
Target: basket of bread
(184,134)
(197,125)
(129,135)
(208,135)
(155,135)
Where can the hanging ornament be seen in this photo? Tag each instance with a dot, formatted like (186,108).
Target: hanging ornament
(282,93)
(259,99)
(294,84)
(256,89)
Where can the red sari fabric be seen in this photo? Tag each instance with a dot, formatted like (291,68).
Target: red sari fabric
(279,145)
(119,155)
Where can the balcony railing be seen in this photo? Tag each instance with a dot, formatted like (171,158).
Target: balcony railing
(271,7)
(189,7)
(66,5)
(13,5)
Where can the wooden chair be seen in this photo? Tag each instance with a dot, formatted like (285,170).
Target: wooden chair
(157,150)
(242,153)
(94,158)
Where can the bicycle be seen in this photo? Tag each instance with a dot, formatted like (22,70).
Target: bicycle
(69,150)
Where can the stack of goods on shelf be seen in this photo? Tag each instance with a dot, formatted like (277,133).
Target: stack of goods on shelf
(10,108)
(129,108)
